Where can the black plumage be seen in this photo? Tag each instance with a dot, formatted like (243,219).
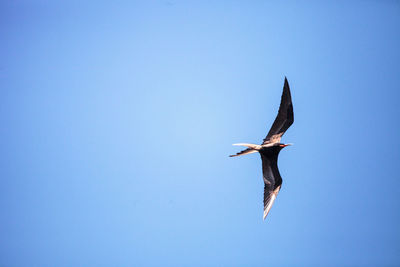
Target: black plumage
(285,116)
(271,147)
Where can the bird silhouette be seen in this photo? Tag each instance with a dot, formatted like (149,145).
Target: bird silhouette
(270,149)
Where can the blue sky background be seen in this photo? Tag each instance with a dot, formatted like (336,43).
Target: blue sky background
(117,120)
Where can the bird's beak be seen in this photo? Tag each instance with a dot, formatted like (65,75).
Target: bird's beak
(284,145)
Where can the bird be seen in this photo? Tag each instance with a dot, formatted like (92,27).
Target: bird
(270,148)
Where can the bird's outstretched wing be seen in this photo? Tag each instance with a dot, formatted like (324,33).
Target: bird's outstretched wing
(269,198)
(272,179)
(284,118)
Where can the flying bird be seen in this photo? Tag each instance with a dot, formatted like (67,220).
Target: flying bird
(271,147)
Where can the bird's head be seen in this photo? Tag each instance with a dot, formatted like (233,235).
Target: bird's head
(284,145)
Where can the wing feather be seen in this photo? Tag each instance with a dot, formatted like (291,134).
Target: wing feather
(269,199)
(272,178)
(284,118)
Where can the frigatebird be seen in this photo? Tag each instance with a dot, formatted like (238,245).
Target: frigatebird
(271,147)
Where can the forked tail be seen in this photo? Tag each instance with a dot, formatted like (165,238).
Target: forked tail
(252,148)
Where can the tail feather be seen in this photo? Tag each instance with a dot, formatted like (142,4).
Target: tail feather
(244,152)
(252,148)
(257,147)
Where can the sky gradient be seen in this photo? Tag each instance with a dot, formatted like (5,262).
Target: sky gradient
(117,120)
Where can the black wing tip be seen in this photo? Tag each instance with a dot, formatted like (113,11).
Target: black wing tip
(286,90)
(286,82)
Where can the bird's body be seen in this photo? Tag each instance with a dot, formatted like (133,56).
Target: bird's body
(271,147)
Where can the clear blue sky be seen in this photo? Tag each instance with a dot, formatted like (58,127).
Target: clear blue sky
(117,121)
